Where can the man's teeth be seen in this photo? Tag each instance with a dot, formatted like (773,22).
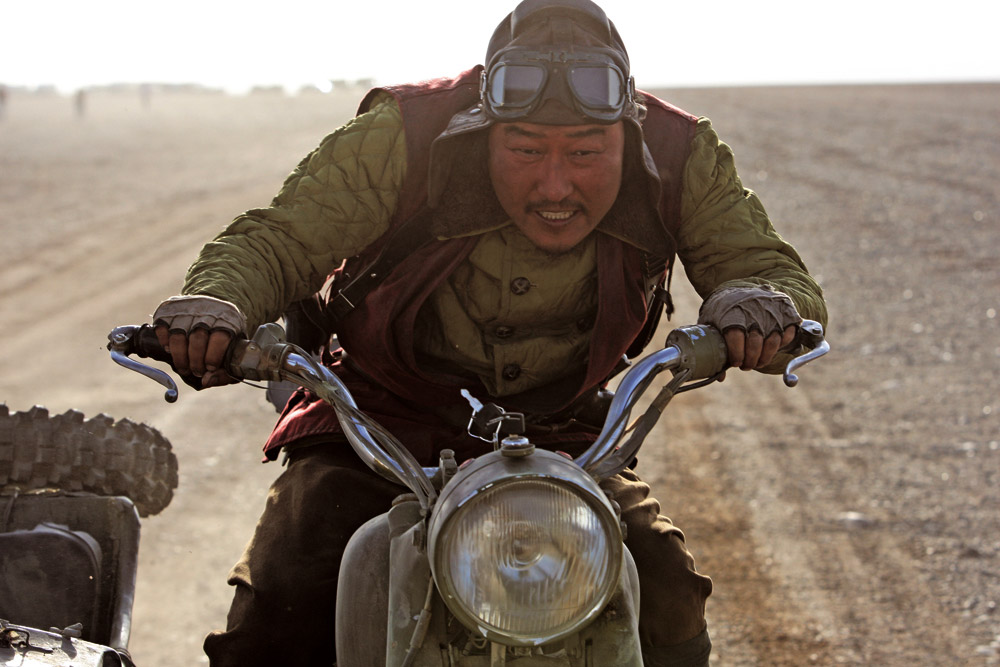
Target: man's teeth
(560,215)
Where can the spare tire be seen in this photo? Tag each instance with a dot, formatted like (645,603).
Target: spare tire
(98,455)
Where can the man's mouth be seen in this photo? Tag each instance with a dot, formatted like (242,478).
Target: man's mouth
(556,216)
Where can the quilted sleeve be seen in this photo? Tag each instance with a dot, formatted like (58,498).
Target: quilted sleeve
(337,201)
(726,238)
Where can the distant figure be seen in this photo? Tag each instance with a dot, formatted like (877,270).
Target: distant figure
(145,94)
(80,103)
(3,101)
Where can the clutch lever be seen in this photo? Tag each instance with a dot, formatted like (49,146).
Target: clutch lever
(811,337)
(141,340)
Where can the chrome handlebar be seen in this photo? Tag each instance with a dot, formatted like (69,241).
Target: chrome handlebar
(695,353)
(268,356)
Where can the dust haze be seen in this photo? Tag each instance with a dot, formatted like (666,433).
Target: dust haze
(854,519)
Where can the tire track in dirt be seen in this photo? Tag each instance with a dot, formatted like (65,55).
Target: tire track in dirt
(851,520)
(801,576)
(752,619)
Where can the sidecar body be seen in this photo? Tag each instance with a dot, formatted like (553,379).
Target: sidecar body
(67,578)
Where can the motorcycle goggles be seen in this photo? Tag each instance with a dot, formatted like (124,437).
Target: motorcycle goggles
(592,83)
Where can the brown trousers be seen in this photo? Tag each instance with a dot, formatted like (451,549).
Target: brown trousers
(286,581)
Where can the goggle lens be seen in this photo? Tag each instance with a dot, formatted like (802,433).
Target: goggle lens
(515,85)
(513,89)
(597,87)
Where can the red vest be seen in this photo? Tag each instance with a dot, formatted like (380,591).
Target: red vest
(378,334)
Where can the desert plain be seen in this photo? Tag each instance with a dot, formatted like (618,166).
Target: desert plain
(854,519)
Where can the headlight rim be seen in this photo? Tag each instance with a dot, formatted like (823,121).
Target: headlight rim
(492,471)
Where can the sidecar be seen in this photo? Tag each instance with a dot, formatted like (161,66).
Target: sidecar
(71,492)
(67,579)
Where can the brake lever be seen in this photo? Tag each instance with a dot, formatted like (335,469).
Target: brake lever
(123,341)
(811,337)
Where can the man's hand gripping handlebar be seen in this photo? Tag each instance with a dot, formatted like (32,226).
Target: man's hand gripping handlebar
(695,356)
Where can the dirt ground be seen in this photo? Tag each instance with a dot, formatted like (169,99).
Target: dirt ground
(854,519)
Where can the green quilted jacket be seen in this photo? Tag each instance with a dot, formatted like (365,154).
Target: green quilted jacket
(341,197)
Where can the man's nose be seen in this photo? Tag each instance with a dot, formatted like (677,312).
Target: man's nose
(554,182)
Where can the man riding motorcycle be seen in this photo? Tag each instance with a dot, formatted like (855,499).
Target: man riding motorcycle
(508,231)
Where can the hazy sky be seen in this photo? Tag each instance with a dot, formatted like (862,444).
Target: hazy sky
(238,43)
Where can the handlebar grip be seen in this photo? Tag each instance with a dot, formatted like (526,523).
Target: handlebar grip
(702,348)
(141,341)
(144,343)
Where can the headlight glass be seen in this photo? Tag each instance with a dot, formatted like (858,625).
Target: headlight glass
(529,559)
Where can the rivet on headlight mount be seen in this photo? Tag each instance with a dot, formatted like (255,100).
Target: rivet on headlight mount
(516,446)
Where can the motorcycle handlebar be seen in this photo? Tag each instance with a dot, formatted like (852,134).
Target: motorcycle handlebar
(144,343)
(141,341)
(691,353)
(696,355)
(269,357)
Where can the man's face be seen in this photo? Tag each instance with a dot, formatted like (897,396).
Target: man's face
(556,182)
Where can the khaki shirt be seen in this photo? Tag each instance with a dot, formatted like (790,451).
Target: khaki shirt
(511,314)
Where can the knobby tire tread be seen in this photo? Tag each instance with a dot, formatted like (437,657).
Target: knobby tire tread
(97,455)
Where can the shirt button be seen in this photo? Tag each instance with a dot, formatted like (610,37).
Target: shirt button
(520,286)
(504,332)
(511,372)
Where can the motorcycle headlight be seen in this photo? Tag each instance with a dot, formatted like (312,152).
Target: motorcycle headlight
(526,550)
